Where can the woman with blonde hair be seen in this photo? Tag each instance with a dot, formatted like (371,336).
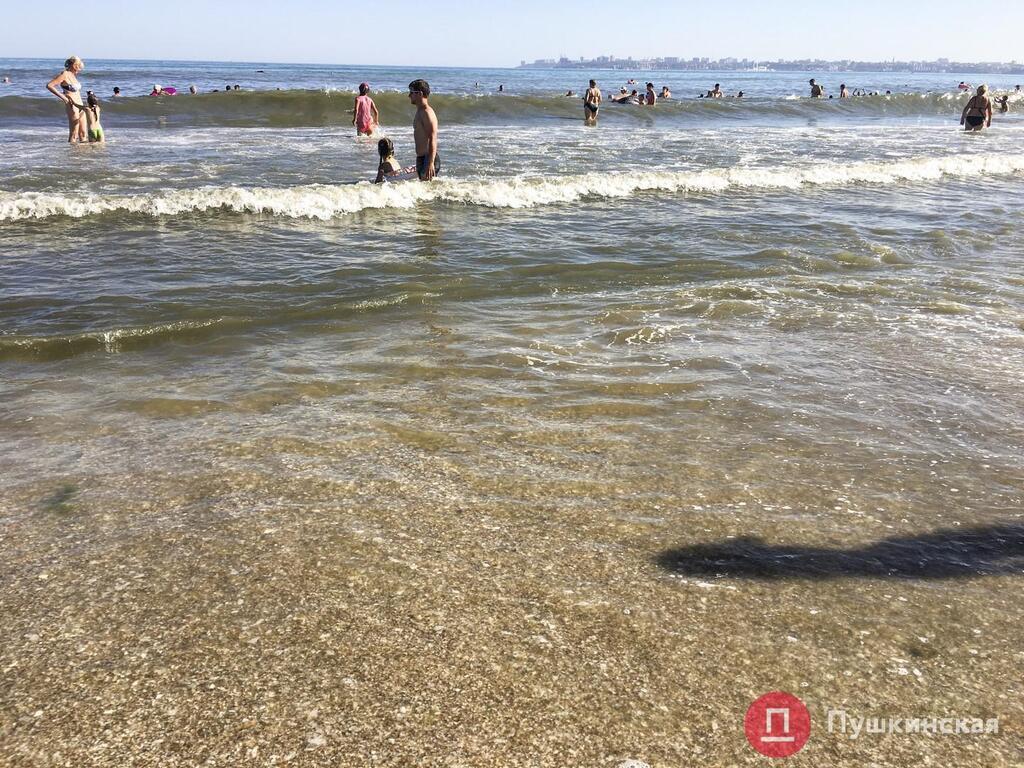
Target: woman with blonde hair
(71,95)
(978,112)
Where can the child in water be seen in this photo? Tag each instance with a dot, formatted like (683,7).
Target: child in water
(92,119)
(366,117)
(389,169)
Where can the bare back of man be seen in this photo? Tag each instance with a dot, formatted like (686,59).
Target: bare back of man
(591,104)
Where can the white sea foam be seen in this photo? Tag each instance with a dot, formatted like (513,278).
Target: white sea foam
(324,201)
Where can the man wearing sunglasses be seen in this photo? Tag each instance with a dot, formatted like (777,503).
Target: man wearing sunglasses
(424,125)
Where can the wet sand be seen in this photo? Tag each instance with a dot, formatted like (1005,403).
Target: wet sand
(437,615)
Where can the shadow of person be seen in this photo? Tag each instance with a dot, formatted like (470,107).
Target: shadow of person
(943,554)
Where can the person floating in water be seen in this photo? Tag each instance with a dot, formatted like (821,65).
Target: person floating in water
(424,125)
(591,104)
(978,112)
(817,91)
(365,116)
(389,169)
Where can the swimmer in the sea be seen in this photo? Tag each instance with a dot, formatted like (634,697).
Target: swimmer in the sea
(651,97)
(716,92)
(978,112)
(92,119)
(665,93)
(389,169)
(1004,104)
(817,91)
(591,104)
(843,93)
(365,116)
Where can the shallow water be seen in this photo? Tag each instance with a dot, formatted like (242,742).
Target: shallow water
(441,464)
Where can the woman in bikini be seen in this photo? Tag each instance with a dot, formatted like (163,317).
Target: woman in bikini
(71,94)
(978,112)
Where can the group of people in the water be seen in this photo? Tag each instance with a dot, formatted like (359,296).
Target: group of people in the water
(84,116)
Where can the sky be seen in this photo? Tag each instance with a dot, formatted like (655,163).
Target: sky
(500,33)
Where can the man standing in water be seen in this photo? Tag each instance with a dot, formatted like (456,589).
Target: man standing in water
(591,104)
(424,127)
(817,91)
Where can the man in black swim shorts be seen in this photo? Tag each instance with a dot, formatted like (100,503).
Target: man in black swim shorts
(421,166)
(424,127)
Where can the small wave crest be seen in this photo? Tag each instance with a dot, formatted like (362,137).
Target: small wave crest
(313,108)
(326,201)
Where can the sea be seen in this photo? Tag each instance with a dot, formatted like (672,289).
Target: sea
(606,430)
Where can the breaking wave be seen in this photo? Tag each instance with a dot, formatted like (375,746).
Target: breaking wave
(327,201)
(302,108)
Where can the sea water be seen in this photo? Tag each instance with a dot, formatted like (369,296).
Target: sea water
(525,431)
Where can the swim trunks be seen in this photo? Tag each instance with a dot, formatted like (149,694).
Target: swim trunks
(421,166)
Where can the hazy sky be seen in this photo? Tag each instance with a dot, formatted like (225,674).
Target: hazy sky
(500,33)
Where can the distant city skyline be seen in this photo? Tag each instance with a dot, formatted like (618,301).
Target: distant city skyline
(731,63)
(501,33)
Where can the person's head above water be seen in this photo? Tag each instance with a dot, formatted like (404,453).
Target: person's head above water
(91,99)
(117,91)
(419,90)
(811,81)
(364,88)
(385,148)
(982,90)
(593,83)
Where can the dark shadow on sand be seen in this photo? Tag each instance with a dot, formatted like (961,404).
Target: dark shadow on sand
(944,554)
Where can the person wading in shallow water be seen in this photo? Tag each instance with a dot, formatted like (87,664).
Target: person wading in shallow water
(591,104)
(978,112)
(424,126)
(71,94)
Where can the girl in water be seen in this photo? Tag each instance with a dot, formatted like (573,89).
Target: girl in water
(389,169)
(978,112)
(92,118)
(365,117)
(71,94)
